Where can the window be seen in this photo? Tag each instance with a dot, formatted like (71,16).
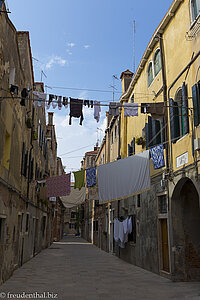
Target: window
(72,226)
(27,222)
(157,62)
(2,227)
(112,138)
(7,148)
(43,225)
(95,225)
(138,201)
(162,204)
(195,9)
(150,73)
(132,235)
(73,214)
(115,131)
(132,98)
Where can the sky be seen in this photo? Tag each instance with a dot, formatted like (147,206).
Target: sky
(81,45)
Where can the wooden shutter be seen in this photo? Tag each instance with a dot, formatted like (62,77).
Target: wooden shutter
(174,120)
(185,109)
(150,131)
(195,99)
(155,131)
(163,130)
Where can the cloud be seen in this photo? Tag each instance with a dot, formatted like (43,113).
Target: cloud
(56,60)
(69,52)
(86,46)
(71,45)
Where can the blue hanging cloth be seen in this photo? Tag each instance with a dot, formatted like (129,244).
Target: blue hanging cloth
(157,155)
(91,176)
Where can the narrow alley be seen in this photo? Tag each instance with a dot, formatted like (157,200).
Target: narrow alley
(75,269)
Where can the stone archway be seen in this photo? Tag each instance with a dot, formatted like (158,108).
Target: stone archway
(186,231)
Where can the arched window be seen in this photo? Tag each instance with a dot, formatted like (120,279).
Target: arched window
(195,8)
(157,62)
(150,73)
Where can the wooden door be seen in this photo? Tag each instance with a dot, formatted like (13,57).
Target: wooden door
(165,246)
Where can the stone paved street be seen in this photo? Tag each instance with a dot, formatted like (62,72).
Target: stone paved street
(75,269)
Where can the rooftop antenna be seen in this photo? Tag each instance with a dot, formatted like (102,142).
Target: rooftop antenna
(42,73)
(113,86)
(134,46)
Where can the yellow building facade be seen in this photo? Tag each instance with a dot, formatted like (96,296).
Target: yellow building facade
(169,73)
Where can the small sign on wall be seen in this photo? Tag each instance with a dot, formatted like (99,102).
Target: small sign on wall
(182,159)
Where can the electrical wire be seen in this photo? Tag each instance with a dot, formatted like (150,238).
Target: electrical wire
(76,150)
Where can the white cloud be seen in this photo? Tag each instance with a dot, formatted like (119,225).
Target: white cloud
(86,46)
(56,60)
(71,45)
(69,52)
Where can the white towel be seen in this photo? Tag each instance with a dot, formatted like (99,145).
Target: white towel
(130,109)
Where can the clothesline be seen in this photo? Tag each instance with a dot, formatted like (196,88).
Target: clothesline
(103,105)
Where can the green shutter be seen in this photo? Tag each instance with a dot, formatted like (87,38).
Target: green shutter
(155,131)
(195,99)
(185,109)
(174,120)
(147,135)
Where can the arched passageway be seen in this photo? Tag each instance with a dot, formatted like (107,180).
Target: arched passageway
(186,231)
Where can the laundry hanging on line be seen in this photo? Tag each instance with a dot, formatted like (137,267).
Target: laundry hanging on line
(114,109)
(76,110)
(79,179)
(122,230)
(130,109)
(91,176)
(39,99)
(97,110)
(157,155)
(58,186)
(157,110)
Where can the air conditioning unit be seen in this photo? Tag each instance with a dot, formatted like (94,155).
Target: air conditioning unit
(197,144)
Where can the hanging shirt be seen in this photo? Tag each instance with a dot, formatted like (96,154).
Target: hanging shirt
(130,228)
(114,109)
(39,99)
(125,225)
(54,102)
(97,110)
(87,102)
(65,102)
(76,110)
(157,155)
(79,179)
(130,109)
(116,230)
(121,232)
(60,102)
(51,97)
(91,176)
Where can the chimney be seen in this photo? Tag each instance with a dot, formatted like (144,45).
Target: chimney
(50,118)
(126,77)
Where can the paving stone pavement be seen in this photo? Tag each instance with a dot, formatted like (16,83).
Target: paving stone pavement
(75,269)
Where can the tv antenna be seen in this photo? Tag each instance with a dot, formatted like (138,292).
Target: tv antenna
(113,86)
(42,73)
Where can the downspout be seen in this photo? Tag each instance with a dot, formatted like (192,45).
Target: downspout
(163,68)
(119,136)
(171,86)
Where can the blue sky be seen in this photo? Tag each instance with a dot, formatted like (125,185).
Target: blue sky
(81,44)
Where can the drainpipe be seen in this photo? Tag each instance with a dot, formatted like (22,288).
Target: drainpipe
(163,68)
(171,86)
